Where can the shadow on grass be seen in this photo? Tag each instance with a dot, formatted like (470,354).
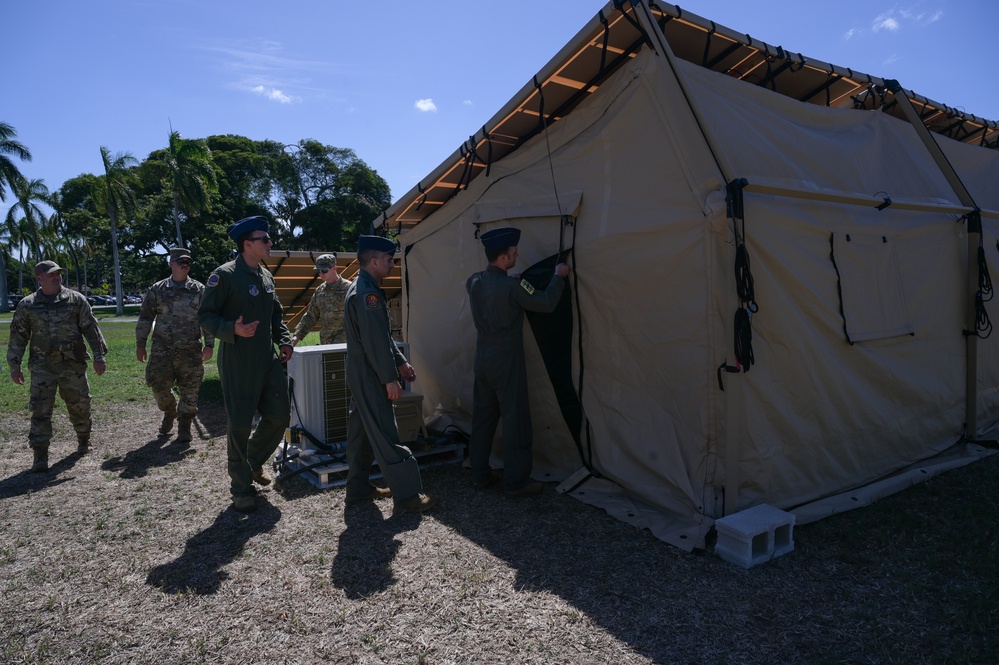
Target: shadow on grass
(27,481)
(161,451)
(198,569)
(366,548)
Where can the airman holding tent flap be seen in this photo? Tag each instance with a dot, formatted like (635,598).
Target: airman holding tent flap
(498,302)
(240,309)
(178,356)
(374,365)
(54,321)
(326,305)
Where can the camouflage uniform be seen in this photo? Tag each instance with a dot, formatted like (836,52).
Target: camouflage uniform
(326,306)
(176,354)
(55,327)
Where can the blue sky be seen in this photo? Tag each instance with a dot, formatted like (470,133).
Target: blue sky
(402,83)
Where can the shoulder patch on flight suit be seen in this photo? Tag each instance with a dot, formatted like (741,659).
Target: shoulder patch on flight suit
(214,279)
(527,287)
(269,288)
(371,301)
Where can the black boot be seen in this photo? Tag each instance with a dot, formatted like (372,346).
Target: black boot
(41,462)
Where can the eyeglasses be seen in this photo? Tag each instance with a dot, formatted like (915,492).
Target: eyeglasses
(183,263)
(266,239)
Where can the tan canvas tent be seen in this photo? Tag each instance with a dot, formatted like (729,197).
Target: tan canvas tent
(772,299)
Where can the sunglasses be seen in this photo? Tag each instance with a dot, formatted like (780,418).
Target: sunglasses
(266,239)
(184,263)
(323,272)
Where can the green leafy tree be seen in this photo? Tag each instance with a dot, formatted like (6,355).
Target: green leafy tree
(84,221)
(63,239)
(8,169)
(115,191)
(192,177)
(25,218)
(9,173)
(325,195)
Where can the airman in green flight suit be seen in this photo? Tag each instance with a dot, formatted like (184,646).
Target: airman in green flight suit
(241,311)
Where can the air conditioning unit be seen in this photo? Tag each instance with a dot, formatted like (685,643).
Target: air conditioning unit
(320,396)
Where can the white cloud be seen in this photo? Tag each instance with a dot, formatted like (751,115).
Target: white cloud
(467,102)
(274,94)
(884,22)
(426,105)
(849,33)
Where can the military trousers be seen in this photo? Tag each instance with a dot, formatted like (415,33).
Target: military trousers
(500,391)
(373,434)
(69,378)
(264,392)
(180,365)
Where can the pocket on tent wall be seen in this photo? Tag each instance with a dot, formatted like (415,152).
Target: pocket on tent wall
(870,286)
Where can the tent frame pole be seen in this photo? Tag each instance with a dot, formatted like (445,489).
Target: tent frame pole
(974,240)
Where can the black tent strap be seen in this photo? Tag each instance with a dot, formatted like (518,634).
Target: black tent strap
(707,44)
(603,48)
(743,339)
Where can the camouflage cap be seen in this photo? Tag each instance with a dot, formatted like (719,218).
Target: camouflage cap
(179,253)
(326,262)
(47,267)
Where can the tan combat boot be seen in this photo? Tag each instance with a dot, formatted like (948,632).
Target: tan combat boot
(41,462)
(184,429)
(167,425)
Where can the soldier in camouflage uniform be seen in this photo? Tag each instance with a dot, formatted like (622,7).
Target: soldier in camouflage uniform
(178,356)
(54,321)
(326,305)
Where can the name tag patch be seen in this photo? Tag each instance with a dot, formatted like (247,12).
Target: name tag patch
(527,287)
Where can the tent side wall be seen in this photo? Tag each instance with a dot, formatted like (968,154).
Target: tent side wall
(650,337)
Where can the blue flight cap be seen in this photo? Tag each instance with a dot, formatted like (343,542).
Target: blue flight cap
(498,239)
(245,225)
(377,243)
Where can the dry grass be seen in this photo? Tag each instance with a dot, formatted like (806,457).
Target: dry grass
(131,555)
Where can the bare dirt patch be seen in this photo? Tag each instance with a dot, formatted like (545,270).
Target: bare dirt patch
(131,554)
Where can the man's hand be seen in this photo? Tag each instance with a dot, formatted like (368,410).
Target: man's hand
(285,351)
(393,390)
(140,354)
(562,270)
(241,329)
(17,377)
(100,367)
(407,372)
(206,354)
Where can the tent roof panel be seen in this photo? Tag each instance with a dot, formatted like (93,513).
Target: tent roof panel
(614,36)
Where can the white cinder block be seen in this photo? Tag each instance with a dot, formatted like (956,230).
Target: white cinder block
(754,535)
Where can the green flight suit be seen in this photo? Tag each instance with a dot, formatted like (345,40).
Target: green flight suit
(498,303)
(373,360)
(253,378)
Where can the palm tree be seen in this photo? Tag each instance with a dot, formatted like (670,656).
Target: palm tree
(8,146)
(192,176)
(25,218)
(8,174)
(60,233)
(115,190)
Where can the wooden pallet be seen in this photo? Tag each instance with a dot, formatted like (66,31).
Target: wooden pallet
(325,471)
